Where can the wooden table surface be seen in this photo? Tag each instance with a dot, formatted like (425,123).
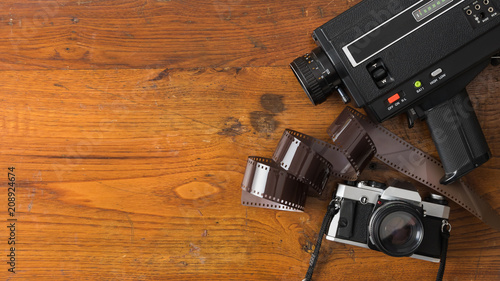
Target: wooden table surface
(129,124)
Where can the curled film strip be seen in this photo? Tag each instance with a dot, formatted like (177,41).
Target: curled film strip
(301,161)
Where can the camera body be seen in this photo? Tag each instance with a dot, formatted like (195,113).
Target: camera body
(392,220)
(414,57)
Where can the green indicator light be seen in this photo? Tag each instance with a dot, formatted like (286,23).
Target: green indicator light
(434,6)
(425,11)
(418,84)
(439,3)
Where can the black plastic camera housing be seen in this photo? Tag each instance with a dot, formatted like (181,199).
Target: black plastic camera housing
(414,57)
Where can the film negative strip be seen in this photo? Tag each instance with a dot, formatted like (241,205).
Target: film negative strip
(301,162)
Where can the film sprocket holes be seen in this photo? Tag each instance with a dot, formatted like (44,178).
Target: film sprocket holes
(410,56)
(395,221)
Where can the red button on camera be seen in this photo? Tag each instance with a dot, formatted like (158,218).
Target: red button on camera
(393,99)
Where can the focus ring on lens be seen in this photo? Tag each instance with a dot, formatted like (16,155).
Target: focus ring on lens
(301,67)
(388,219)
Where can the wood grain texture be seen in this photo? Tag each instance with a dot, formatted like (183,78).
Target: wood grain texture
(129,124)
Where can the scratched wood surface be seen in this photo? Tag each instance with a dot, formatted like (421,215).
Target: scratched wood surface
(129,124)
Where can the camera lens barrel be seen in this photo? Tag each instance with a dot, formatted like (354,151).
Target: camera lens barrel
(396,229)
(316,74)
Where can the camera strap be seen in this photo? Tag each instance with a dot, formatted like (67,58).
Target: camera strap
(333,209)
(301,162)
(445,236)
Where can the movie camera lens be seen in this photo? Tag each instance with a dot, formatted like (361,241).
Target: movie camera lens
(396,229)
(316,74)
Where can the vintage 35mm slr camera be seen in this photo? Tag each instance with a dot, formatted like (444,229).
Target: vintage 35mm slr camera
(389,219)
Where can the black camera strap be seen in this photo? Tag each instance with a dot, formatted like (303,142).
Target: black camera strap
(445,236)
(333,209)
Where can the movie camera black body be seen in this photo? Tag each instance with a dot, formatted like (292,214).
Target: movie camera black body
(413,57)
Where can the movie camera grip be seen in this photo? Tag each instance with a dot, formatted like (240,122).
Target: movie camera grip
(458,137)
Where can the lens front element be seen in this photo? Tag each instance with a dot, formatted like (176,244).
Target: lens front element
(396,229)
(316,74)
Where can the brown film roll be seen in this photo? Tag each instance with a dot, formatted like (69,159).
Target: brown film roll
(301,161)
(266,185)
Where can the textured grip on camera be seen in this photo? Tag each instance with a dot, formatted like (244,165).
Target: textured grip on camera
(458,137)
